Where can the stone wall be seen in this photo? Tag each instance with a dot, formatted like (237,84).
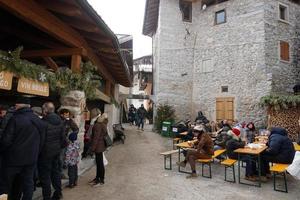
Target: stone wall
(243,52)
(236,49)
(284,74)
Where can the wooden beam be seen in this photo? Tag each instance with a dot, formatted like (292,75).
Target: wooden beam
(34,14)
(38,16)
(27,36)
(82,25)
(60,7)
(75,63)
(107,88)
(62,52)
(51,63)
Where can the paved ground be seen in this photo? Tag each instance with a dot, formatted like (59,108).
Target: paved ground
(135,172)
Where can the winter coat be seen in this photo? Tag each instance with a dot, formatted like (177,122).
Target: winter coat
(205,144)
(72,154)
(70,126)
(250,135)
(232,145)
(5,119)
(201,118)
(222,139)
(280,146)
(55,139)
(141,112)
(99,131)
(23,138)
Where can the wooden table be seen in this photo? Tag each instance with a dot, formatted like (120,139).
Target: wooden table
(183,145)
(184,133)
(296,146)
(253,152)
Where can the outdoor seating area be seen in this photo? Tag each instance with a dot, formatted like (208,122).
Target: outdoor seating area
(248,151)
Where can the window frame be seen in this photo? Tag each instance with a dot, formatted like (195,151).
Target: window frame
(216,17)
(287,12)
(289,52)
(190,5)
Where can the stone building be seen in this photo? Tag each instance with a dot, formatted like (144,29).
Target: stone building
(222,56)
(142,82)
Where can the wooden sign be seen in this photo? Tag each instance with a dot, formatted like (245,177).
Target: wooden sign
(29,86)
(6,80)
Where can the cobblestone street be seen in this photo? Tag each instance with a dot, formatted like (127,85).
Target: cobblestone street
(135,172)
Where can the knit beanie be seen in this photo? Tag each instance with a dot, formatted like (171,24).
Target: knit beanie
(73,136)
(236,132)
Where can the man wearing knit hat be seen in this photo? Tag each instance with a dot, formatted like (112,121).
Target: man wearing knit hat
(20,145)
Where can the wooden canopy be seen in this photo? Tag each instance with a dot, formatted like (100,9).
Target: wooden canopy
(60,33)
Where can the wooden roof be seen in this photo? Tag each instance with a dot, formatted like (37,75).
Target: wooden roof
(64,27)
(151,17)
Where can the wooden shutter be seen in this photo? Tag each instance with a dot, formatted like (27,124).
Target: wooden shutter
(284,51)
(225,109)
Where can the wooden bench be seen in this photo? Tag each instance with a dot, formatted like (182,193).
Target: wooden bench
(229,163)
(279,169)
(168,154)
(207,162)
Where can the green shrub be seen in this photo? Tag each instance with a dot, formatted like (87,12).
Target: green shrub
(164,113)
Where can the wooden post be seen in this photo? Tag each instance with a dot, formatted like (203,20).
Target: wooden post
(75,63)
(107,88)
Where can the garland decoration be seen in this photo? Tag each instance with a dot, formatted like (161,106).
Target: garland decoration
(63,80)
(279,102)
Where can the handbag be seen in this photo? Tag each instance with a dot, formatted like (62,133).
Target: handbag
(108,142)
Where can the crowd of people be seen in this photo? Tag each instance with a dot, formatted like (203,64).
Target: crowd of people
(36,144)
(137,116)
(280,148)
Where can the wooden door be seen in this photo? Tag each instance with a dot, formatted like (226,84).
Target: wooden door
(225,109)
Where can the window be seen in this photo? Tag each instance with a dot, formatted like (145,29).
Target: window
(220,17)
(284,51)
(283,12)
(224,88)
(206,66)
(186,10)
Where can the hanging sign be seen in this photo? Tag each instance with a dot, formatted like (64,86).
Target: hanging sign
(6,80)
(35,87)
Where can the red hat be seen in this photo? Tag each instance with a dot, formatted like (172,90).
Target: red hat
(236,131)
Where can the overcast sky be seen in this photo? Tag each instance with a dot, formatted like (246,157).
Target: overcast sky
(126,17)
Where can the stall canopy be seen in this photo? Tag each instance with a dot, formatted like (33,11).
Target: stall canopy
(63,33)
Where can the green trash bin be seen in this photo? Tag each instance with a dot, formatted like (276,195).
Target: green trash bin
(166,129)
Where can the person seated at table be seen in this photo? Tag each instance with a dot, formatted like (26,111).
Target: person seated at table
(203,150)
(225,123)
(234,143)
(280,150)
(250,132)
(221,139)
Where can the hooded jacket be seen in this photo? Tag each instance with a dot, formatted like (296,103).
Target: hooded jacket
(22,138)
(232,144)
(280,146)
(55,138)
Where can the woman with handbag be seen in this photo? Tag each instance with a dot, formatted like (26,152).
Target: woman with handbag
(99,133)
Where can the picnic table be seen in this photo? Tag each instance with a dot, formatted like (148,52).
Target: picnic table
(183,145)
(296,146)
(254,152)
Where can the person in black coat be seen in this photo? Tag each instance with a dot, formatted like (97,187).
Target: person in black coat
(20,144)
(49,160)
(234,143)
(280,150)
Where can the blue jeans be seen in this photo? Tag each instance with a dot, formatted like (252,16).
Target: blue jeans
(73,174)
(250,165)
(141,123)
